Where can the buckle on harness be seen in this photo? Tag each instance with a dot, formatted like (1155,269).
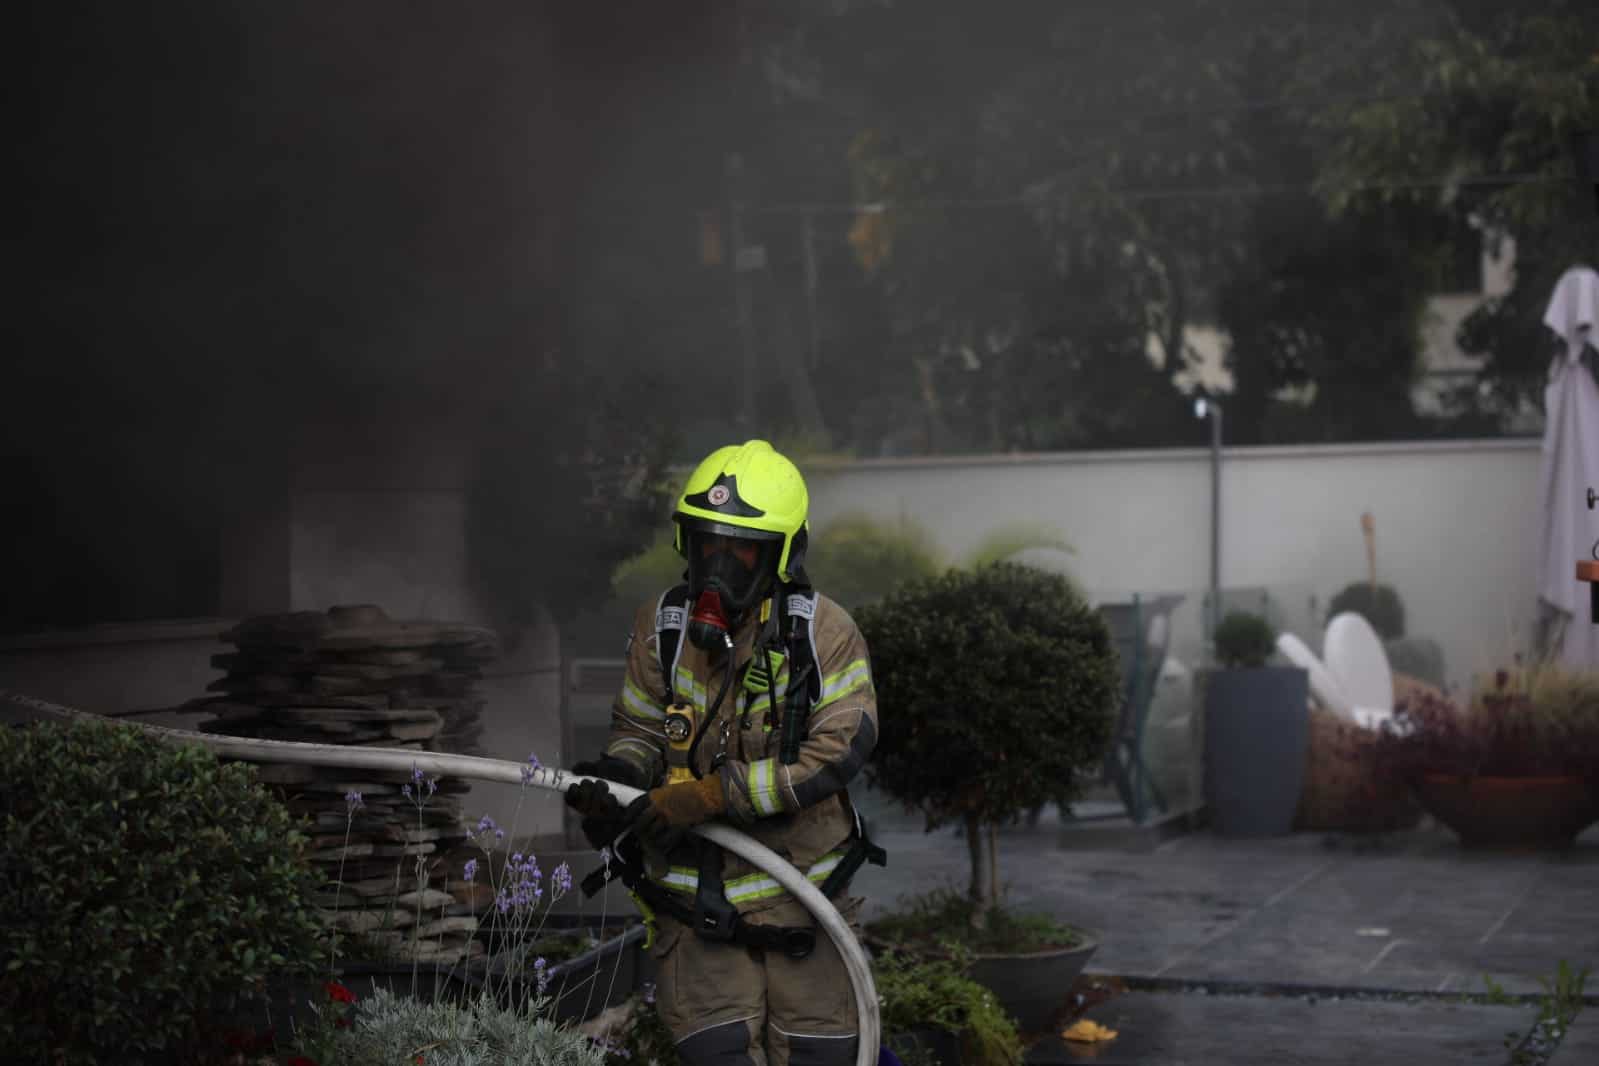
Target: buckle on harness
(715,917)
(797,942)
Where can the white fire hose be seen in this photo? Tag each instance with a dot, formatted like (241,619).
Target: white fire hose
(477,768)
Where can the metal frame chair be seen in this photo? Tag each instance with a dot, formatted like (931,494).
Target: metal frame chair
(1141,661)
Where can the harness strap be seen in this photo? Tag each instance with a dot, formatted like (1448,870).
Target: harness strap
(794,941)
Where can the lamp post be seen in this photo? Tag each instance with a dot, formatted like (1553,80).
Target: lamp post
(1205,407)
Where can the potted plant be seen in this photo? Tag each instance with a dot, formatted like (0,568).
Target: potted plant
(934,1014)
(1516,766)
(1257,731)
(997,688)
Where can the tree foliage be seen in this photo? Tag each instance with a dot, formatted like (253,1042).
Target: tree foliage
(996,687)
(1051,196)
(1480,116)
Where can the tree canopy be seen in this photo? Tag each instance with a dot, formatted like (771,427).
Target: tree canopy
(1048,198)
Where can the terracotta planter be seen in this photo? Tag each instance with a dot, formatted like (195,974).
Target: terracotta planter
(1530,812)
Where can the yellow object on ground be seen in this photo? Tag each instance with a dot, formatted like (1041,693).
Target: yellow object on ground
(1086,1032)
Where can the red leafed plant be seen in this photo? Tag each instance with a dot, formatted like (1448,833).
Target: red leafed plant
(1530,721)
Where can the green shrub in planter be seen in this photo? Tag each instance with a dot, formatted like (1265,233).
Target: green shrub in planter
(143,886)
(1378,604)
(997,689)
(1244,641)
(918,992)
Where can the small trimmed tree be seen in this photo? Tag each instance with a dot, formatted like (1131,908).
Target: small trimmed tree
(997,689)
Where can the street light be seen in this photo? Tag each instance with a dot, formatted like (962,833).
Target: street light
(1205,407)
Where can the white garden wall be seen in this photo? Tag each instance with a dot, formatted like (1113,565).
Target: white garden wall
(1455,525)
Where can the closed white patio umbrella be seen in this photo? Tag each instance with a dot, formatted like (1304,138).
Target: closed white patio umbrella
(1570,467)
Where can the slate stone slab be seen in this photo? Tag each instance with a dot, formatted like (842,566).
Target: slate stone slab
(1186,1029)
(1580,1045)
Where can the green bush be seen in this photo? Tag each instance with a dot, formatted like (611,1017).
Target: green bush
(997,689)
(927,923)
(143,886)
(858,560)
(1378,604)
(917,991)
(1244,641)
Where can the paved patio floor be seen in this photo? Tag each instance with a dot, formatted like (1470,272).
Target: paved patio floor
(1325,948)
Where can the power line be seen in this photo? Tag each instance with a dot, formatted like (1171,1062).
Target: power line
(1168,193)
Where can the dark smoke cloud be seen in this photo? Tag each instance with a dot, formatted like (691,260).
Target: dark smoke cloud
(250,226)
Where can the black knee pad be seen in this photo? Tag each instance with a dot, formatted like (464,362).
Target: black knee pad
(822,1050)
(727,1044)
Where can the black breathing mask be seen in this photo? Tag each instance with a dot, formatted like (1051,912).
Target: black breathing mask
(727,576)
(708,626)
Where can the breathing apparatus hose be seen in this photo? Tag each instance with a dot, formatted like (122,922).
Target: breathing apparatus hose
(478,768)
(705,723)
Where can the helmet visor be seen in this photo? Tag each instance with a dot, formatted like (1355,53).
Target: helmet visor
(737,563)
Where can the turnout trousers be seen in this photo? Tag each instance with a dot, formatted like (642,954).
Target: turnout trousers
(731,1005)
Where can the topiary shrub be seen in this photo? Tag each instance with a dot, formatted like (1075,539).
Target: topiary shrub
(144,886)
(1244,641)
(1378,604)
(997,689)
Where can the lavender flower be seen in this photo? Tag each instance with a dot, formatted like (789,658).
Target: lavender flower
(469,871)
(405,790)
(353,802)
(532,767)
(485,829)
(433,785)
(541,971)
(416,774)
(561,880)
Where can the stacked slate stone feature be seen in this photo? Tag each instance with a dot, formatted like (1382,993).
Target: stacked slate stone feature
(353,676)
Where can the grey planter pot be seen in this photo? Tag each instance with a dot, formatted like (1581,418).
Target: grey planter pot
(927,1043)
(1257,732)
(604,976)
(1033,988)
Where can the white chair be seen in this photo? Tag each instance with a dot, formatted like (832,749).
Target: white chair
(1355,657)
(1322,683)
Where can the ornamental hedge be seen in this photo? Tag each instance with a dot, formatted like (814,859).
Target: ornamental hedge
(146,888)
(997,691)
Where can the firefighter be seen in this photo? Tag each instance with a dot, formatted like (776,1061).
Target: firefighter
(748,699)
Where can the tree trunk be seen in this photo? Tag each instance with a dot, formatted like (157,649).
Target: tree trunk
(981,883)
(993,864)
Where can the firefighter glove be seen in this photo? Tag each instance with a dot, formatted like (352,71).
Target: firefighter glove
(665,815)
(611,768)
(603,815)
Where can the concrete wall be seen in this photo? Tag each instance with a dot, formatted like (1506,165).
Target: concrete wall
(115,669)
(403,549)
(1455,524)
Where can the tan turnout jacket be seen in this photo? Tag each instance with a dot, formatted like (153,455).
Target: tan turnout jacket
(799,811)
